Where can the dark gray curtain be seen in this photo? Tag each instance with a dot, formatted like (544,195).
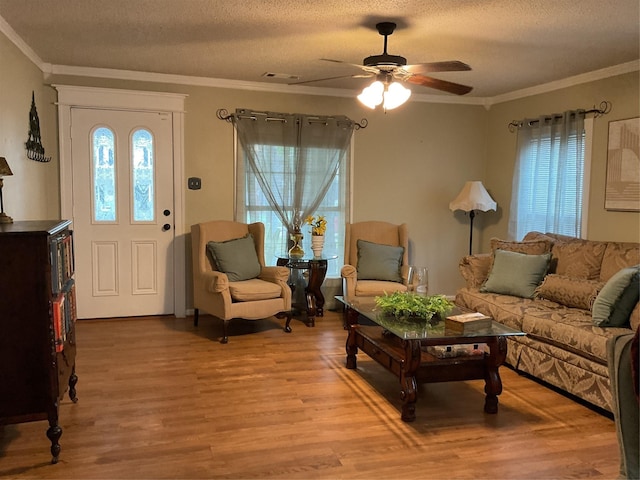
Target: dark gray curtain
(296,176)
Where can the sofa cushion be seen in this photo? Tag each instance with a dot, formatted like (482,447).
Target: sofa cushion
(617,256)
(530,247)
(609,296)
(505,309)
(237,258)
(579,258)
(516,273)
(570,329)
(621,314)
(568,291)
(374,288)
(254,289)
(379,262)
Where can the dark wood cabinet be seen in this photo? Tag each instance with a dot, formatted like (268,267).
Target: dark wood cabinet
(37,323)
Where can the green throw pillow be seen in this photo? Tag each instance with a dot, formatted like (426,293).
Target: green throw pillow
(237,258)
(379,262)
(516,274)
(614,305)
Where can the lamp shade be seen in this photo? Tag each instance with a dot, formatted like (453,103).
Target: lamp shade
(5,171)
(473,197)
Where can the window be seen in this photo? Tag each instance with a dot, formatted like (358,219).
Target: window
(103,175)
(549,179)
(253,206)
(142,176)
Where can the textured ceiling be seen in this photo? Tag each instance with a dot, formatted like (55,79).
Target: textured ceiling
(510,45)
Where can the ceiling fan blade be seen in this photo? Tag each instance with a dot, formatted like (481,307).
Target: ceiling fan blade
(450,66)
(340,61)
(360,75)
(438,84)
(366,68)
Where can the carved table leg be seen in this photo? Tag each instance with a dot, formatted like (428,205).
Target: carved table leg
(408,384)
(54,432)
(351,321)
(317,273)
(312,310)
(493,383)
(73,380)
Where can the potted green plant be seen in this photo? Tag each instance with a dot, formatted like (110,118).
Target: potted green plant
(409,305)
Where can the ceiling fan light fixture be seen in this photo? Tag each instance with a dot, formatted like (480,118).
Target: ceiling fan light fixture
(372,96)
(395,95)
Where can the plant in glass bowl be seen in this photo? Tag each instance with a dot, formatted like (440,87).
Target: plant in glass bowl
(410,305)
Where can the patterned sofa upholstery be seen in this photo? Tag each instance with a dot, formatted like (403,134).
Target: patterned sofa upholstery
(562,347)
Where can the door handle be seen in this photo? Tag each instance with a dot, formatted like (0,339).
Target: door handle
(166,227)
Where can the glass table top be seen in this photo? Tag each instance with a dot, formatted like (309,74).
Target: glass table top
(421,329)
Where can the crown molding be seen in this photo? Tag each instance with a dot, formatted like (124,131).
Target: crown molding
(569,82)
(17,40)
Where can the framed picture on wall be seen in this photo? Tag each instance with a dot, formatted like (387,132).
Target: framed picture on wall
(622,191)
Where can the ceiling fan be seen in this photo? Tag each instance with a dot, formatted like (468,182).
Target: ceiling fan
(386,68)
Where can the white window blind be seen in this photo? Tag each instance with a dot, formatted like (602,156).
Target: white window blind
(549,177)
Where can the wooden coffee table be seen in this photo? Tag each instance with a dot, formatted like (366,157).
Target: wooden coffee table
(401,347)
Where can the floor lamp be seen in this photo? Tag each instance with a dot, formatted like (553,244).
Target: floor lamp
(473,197)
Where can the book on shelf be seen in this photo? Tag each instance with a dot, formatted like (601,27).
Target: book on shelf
(467,322)
(58,312)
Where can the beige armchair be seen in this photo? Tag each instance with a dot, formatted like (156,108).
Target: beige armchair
(255,298)
(378,233)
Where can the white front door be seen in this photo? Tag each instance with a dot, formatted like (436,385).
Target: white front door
(123,211)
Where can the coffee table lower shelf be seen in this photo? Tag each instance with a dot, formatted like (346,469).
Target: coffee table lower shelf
(408,361)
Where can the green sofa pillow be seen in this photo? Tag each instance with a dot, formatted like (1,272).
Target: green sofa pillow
(379,262)
(617,299)
(237,258)
(516,274)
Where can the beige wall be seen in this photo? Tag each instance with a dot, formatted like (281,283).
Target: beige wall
(401,160)
(409,163)
(622,91)
(32,192)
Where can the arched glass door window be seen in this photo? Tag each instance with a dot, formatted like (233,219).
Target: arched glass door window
(104,175)
(142,176)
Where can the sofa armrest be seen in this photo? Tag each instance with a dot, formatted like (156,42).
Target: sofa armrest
(274,274)
(475,269)
(214,281)
(625,402)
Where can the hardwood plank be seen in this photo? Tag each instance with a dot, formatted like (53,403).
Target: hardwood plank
(159,398)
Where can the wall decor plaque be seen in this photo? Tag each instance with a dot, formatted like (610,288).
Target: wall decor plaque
(622,191)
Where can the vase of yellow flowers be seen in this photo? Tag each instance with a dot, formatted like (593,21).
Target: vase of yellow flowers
(318,229)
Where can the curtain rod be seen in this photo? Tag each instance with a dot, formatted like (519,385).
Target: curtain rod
(604,108)
(223,114)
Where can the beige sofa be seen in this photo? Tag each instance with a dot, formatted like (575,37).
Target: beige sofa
(563,346)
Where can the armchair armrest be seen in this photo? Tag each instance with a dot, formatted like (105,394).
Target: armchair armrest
(350,277)
(214,281)
(274,274)
(475,269)
(349,271)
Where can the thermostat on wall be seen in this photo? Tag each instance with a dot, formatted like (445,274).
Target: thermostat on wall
(194,183)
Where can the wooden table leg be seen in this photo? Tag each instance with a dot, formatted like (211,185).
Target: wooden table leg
(317,273)
(408,384)
(351,322)
(493,383)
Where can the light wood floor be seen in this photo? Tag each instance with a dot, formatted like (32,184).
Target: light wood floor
(159,398)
